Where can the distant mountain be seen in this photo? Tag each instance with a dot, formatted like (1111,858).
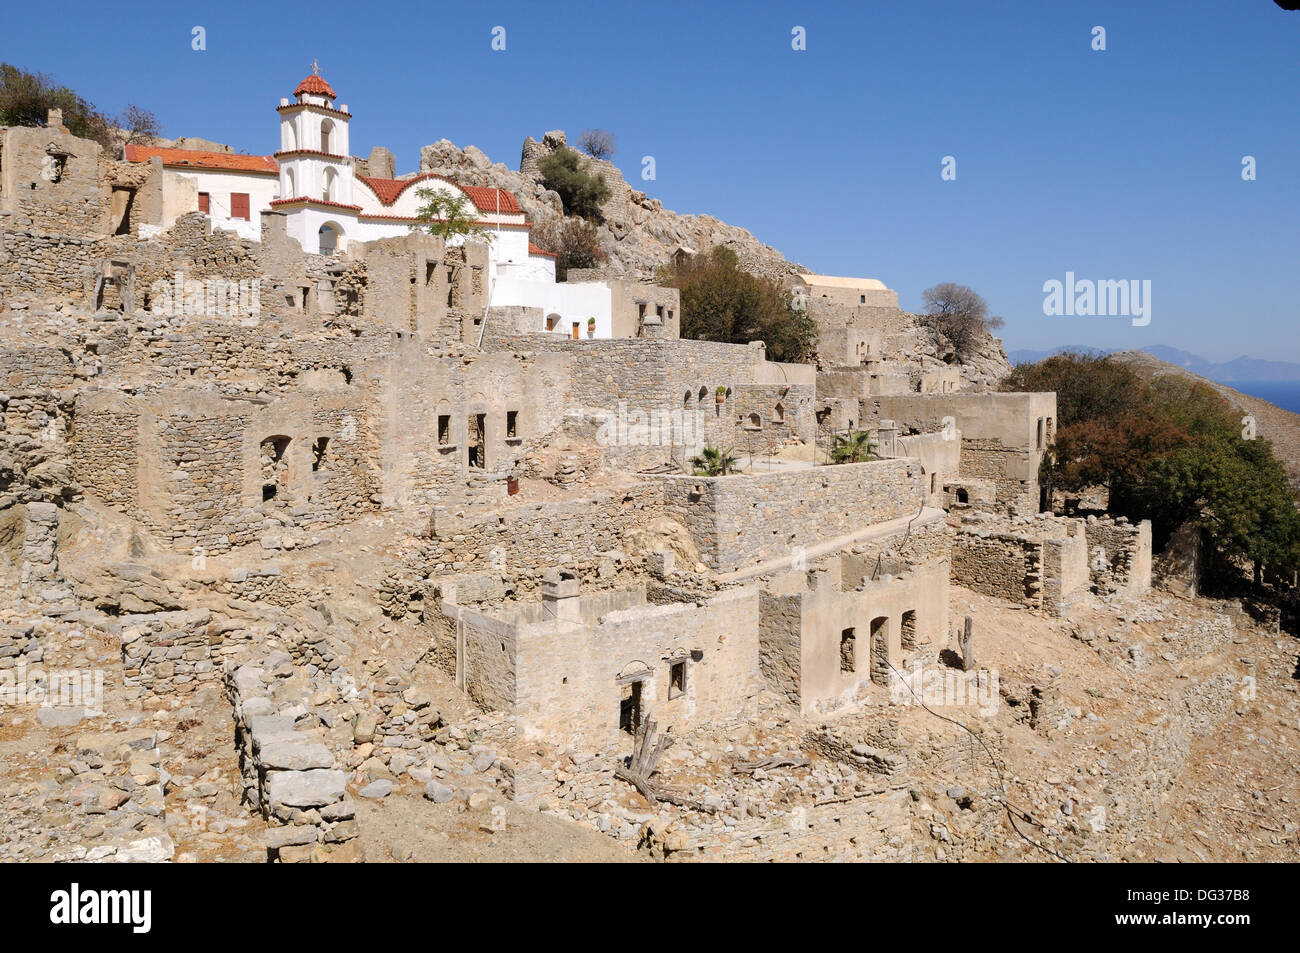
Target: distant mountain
(1238,369)
(1024,356)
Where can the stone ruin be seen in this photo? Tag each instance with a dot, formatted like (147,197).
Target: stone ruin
(221,416)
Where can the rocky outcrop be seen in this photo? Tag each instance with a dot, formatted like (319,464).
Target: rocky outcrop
(638,233)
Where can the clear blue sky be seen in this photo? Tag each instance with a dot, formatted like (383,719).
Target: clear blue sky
(1117,164)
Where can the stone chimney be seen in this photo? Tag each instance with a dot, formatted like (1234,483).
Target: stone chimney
(652,326)
(274,227)
(54,119)
(560,595)
(887,438)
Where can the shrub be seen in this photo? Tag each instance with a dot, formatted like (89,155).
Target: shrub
(26,99)
(854,447)
(574,242)
(714,462)
(721,302)
(581,191)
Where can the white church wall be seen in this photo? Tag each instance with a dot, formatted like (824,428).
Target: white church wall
(572,302)
(261,191)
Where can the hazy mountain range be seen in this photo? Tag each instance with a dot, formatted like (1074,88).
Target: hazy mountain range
(1238,369)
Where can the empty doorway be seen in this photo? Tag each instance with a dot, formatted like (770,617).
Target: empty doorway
(476,442)
(880,650)
(629,708)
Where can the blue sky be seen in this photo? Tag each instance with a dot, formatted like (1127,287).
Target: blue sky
(1122,164)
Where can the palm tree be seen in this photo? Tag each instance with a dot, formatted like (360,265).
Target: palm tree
(854,447)
(713,462)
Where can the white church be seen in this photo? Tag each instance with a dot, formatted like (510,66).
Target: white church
(311,180)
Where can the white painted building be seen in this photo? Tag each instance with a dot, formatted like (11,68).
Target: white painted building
(312,181)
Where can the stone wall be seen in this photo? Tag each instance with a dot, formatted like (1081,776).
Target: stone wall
(1040,562)
(289,774)
(1001,565)
(40,558)
(50,181)
(104,458)
(1119,555)
(516,539)
(1003,436)
(166,651)
(743,520)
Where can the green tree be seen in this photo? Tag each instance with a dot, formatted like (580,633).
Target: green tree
(583,192)
(447,214)
(714,462)
(1171,451)
(1087,387)
(853,447)
(722,302)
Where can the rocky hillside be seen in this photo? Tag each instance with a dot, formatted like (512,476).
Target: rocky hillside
(1280,426)
(638,234)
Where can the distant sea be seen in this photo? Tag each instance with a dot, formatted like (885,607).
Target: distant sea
(1285,394)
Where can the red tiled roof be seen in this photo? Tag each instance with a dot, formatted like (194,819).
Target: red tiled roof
(534,250)
(189,158)
(485,199)
(307,200)
(315,85)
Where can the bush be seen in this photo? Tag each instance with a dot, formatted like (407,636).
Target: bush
(721,302)
(854,447)
(573,241)
(581,191)
(26,99)
(713,461)
(1170,451)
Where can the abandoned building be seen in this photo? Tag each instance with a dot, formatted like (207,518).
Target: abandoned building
(351,368)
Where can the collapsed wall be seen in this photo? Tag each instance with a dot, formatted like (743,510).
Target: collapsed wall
(1047,562)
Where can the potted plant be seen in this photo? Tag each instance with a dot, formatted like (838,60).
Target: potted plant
(591,327)
(722,395)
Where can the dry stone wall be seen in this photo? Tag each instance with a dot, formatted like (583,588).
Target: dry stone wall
(743,520)
(289,774)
